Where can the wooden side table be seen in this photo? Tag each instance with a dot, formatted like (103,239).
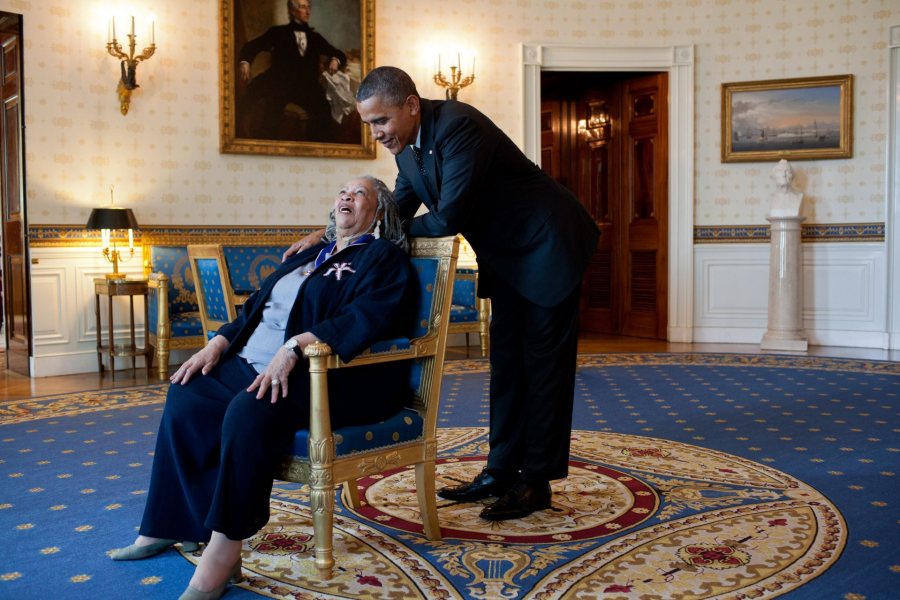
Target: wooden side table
(121,287)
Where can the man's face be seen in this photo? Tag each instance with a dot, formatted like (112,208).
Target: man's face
(395,127)
(299,10)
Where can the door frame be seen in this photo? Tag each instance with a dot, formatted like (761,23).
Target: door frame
(892,195)
(678,62)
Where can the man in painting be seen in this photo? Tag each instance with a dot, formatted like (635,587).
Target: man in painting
(298,54)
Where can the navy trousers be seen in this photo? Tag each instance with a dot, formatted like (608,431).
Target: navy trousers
(216,454)
(533,359)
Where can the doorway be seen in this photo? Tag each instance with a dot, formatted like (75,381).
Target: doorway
(604,136)
(15,264)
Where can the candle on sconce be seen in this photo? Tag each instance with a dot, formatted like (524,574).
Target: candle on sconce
(458,62)
(132,26)
(153,33)
(473,65)
(113,28)
(131,239)
(104,236)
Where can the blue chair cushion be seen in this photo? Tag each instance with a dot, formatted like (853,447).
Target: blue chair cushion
(405,426)
(173,262)
(463,314)
(249,265)
(426,270)
(185,324)
(463,291)
(390,345)
(211,285)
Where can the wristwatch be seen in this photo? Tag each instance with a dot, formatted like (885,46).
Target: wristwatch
(292,344)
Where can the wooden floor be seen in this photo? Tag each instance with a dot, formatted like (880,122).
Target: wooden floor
(14,386)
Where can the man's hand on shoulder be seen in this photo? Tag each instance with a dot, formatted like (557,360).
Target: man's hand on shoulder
(307,242)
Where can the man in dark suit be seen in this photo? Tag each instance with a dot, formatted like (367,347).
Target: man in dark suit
(533,241)
(296,51)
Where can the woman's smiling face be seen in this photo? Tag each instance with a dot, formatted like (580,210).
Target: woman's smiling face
(355,207)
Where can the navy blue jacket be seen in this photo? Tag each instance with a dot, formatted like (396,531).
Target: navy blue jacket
(526,228)
(370,301)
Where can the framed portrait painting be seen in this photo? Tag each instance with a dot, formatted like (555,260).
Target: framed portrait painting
(797,119)
(289,74)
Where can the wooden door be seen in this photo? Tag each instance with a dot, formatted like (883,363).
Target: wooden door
(16,303)
(644,204)
(619,172)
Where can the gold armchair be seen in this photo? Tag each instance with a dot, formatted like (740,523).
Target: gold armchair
(322,463)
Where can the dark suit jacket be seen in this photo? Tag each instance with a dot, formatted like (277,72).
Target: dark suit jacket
(524,227)
(288,67)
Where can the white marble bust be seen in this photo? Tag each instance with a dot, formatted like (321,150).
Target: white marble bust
(786,200)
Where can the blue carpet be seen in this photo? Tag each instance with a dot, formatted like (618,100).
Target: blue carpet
(75,469)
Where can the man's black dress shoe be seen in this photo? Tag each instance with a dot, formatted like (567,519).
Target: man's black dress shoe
(483,486)
(520,501)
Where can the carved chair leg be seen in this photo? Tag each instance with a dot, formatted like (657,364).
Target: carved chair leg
(322,503)
(162,354)
(352,492)
(427,500)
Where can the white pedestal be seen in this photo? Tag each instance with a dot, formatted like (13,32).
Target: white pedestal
(785,330)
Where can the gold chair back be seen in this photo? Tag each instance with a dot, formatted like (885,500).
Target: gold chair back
(215,296)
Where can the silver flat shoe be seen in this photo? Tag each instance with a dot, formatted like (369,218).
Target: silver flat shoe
(192,593)
(135,552)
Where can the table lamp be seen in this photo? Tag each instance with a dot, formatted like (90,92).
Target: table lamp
(107,220)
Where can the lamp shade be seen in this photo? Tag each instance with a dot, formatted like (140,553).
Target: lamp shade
(112,218)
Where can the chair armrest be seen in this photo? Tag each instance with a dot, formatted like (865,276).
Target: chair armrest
(321,438)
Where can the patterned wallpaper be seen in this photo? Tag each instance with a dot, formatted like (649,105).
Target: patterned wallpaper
(164,161)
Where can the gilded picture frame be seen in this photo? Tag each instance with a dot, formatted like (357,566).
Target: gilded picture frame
(808,118)
(288,98)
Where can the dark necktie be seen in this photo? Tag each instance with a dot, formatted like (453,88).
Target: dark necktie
(417,154)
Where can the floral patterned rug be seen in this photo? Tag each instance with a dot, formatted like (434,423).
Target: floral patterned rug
(691,476)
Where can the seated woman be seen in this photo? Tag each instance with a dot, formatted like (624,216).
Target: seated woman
(234,406)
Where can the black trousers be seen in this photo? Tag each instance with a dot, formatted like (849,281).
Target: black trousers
(533,359)
(216,454)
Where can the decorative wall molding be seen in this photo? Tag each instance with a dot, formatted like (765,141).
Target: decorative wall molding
(844,295)
(44,236)
(678,62)
(740,234)
(62,284)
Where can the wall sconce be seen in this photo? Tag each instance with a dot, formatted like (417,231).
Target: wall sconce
(129,62)
(597,128)
(456,81)
(106,220)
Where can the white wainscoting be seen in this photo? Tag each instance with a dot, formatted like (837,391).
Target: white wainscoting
(63,314)
(844,293)
(845,300)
